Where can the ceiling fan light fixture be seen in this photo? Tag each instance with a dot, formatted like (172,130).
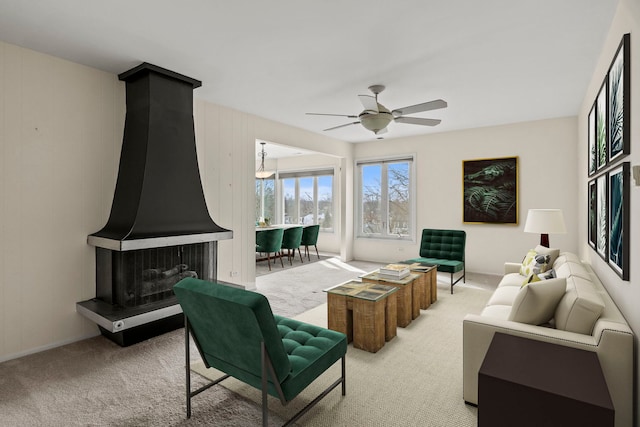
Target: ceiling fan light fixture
(376,122)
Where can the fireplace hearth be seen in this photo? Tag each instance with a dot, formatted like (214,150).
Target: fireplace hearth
(159,229)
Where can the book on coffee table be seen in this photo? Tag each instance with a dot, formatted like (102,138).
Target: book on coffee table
(396,271)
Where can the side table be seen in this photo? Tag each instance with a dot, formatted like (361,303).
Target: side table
(525,382)
(365,312)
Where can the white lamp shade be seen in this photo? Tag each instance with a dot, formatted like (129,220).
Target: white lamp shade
(545,221)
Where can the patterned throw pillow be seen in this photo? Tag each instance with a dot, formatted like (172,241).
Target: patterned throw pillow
(534,263)
(532,278)
(549,274)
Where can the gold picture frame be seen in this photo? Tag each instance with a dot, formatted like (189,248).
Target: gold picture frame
(490,191)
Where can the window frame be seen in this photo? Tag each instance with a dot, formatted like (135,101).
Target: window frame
(308,173)
(383,161)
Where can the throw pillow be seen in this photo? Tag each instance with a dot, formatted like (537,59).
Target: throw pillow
(549,274)
(534,263)
(552,252)
(536,303)
(531,279)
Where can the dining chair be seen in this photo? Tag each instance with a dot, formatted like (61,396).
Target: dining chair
(270,241)
(291,241)
(310,237)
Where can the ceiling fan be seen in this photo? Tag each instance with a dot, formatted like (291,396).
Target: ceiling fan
(375,116)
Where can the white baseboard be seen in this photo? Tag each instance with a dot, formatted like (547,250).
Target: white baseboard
(20,354)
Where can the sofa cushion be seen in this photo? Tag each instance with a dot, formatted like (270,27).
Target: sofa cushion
(570,268)
(579,308)
(534,263)
(536,302)
(504,295)
(552,252)
(497,311)
(512,279)
(565,257)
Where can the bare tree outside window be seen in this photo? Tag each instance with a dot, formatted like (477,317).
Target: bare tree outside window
(386,199)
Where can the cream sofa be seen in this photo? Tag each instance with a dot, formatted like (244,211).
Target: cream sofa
(584,317)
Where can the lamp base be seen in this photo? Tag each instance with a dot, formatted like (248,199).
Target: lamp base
(544,240)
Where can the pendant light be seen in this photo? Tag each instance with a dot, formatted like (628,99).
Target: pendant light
(261,173)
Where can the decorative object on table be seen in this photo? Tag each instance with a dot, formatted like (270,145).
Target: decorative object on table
(490,190)
(601,216)
(618,237)
(261,173)
(545,222)
(619,106)
(395,271)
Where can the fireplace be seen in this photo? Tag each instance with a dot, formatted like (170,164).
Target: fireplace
(159,229)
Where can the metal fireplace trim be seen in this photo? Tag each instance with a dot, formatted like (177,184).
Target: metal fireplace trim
(157,242)
(114,319)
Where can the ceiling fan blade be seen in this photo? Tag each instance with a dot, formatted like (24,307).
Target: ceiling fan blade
(341,126)
(335,115)
(369,103)
(418,121)
(425,106)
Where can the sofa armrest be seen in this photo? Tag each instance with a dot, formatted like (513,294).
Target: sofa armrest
(512,267)
(478,332)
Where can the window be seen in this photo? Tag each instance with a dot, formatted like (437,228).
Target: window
(265,199)
(308,198)
(385,200)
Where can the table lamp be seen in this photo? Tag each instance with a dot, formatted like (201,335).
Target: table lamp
(545,222)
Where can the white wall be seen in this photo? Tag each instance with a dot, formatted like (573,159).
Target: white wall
(546,173)
(60,136)
(626,294)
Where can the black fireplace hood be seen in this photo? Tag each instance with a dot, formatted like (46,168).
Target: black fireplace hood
(158,198)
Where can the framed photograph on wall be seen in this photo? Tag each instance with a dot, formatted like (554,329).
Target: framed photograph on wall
(601,127)
(618,239)
(601,216)
(490,190)
(593,213)
(591,135)
(619,105)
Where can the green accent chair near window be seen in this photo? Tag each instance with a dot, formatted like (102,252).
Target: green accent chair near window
(309,238)
(445,248)
(236,332)
(291,241)
(270,241)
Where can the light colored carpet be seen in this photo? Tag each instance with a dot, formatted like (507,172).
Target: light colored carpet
(95,382)
(414,380)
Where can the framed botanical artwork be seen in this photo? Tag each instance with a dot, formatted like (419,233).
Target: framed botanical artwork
(601,216)
(601,127)
(619,104)
(618,241)
(490,190)
(591,135)
(593,213)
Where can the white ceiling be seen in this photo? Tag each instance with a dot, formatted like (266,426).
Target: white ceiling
(493,61)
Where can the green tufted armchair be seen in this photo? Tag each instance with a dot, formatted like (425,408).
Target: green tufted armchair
(445,248)
(236,333)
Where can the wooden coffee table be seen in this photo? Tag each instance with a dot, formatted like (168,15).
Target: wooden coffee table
(427,283)
(408,308)
(365,312)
